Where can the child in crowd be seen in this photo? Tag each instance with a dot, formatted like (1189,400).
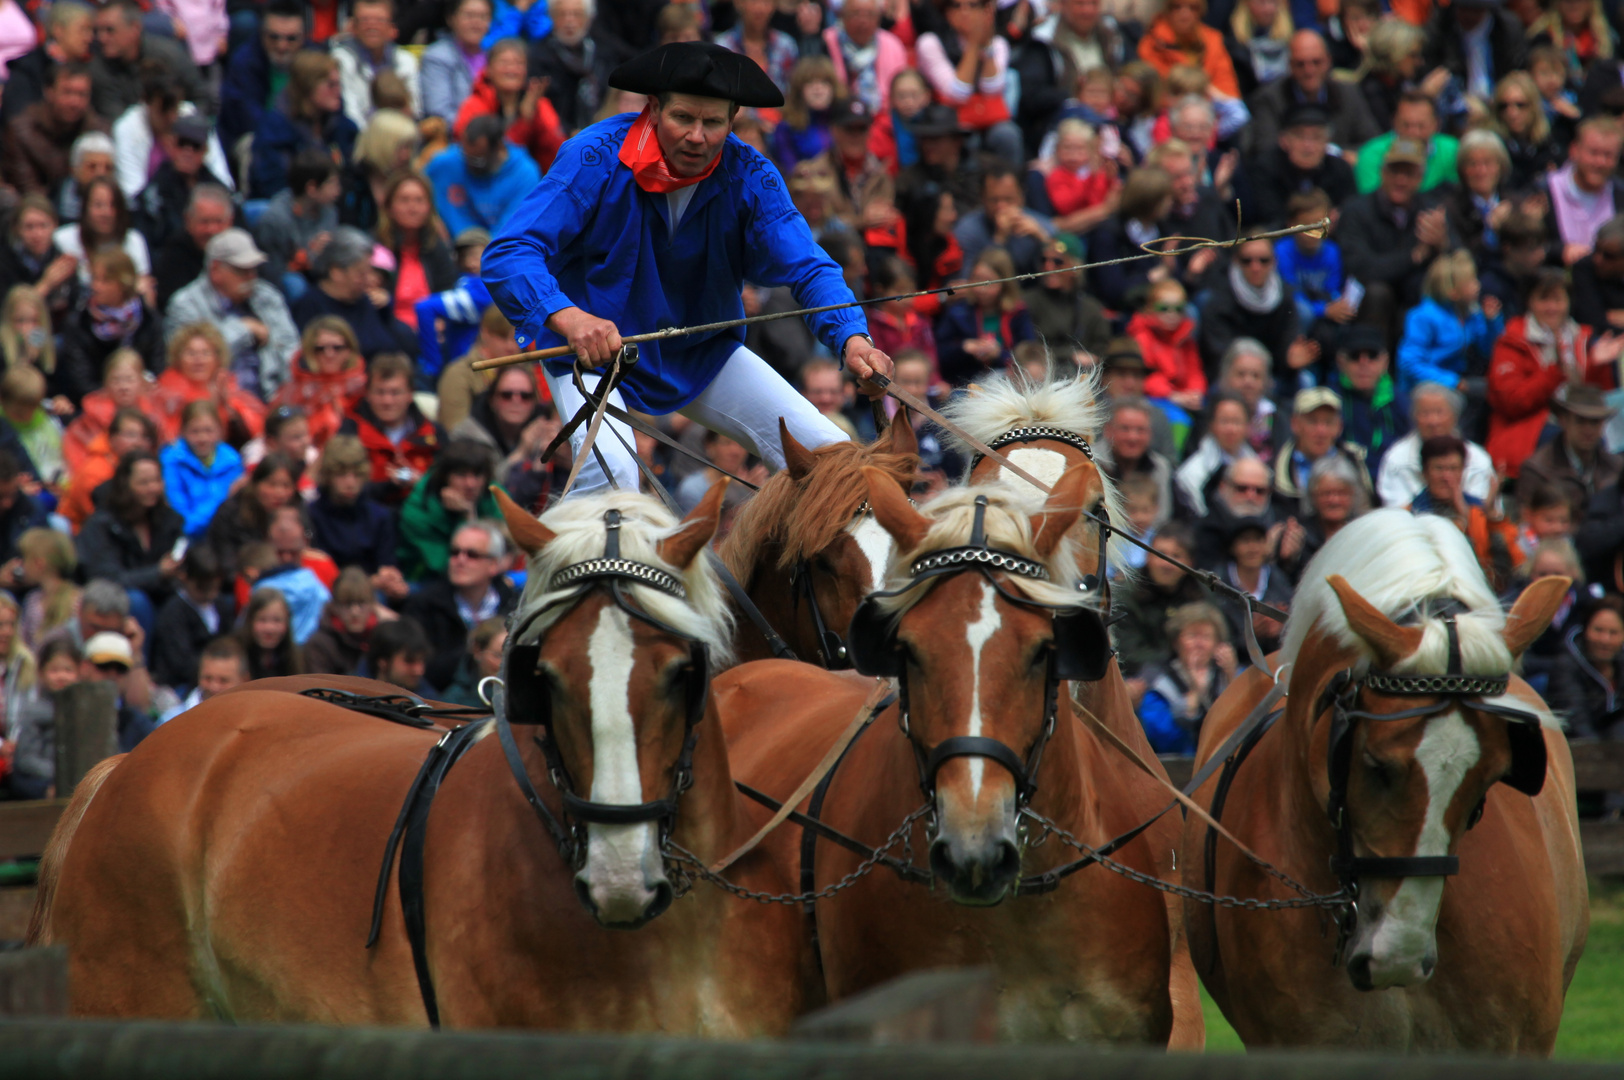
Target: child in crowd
(890,139)
(448,322)
(287,432)
(1311,264)
(199,469)
(33,763)
(1141,500)
(22,396)
(979,333)
(188,621)
(1166,334)
(896,324)
(1442,332)
(266,635)
(1546,515)
(804,131)
(299,221)
(1549,67)
(1080,177)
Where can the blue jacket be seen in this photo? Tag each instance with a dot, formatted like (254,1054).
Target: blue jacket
(360,534)
(1435,341)
(244,89)
(466,201)
(305,594)
(1317,280)
(508,21)
(461,308)
(195,490)
(278,138)
(589,237)
(1166,734)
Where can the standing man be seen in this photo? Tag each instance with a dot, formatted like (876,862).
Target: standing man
(656,220)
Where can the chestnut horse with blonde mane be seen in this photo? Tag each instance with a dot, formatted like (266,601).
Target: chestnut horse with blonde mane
(1045,428)
(226,867)
(1400,725)
(805,548)
(980,654)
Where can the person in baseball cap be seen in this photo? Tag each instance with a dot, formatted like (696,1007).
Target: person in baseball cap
(236,249)
(1316,433)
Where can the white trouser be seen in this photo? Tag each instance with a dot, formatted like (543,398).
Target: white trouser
(743,402)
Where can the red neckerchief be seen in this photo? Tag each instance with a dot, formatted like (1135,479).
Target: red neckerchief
(641,154)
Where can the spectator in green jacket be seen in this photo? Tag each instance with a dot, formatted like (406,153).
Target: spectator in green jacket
(453,492)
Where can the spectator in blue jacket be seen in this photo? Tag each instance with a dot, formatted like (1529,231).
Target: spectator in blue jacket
(479,180)
(199,469)
(448,322)
(258,70)
(1180,693)
(308,115)
(1442,331)
(1311,265)
(451,64)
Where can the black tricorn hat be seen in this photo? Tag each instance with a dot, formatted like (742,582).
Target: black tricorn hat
(692,67)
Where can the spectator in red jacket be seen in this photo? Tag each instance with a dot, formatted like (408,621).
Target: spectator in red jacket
(401,442)
(1538,353)
(507,91)
(1166,333)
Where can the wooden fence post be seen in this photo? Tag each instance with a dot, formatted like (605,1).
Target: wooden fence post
(86,731)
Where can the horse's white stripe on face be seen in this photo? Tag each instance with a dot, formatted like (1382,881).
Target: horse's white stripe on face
(876,545)
(978,634)
(1447,752)
(617,855)
(1046,465)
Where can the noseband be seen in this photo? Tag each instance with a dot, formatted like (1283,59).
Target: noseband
(521,703)
(1080,651)
(1452,689)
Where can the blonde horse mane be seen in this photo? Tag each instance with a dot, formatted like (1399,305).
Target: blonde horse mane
(1011,400)
(578,526)
(1398,561)
(807,515)
(1008,528)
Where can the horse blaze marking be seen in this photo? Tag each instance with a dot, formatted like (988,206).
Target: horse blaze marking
(978,634)
(1046,465)
(875,544)
(615,776)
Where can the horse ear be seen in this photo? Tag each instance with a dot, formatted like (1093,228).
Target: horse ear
(1390,641)
(797,458)
(1533,612)
(696,530)
(893,511)
(904,440)
(1063,508)
(530,534)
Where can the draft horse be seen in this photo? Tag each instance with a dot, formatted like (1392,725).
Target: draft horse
(984,623)
(226,868)
(806,549)
(1412,769)
(1045,428)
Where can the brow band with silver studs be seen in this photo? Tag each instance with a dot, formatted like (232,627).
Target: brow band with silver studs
(998,560)
(1032,434)
(1452,685)
(641,573)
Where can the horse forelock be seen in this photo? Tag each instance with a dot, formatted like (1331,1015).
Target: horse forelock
(580,535)
(1010,400)
(1008,528)
(805,516)
(1400,562)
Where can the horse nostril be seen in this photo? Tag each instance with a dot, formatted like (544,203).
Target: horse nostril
(1428,963)
(1009,861)
(663,895)
(583,893)
(1359,972)
(941,861)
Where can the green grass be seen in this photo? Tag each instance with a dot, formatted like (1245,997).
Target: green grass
(1590,1022)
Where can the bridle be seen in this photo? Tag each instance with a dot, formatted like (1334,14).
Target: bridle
(522,700)
(832,648)
(1080,651)
(1451,690)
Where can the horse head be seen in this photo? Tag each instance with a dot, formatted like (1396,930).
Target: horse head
(979,634)
(1414,748)
(807,548)
(609,656)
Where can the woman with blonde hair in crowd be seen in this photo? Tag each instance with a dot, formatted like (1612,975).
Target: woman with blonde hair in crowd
(124,386)
(26,337)
(1395,57)
(47,562)
(507,89)
(198,371)
(114,315)
(93,465)
(1262,32)
(326,378)
(1520,121)
(809,103)
(385,147)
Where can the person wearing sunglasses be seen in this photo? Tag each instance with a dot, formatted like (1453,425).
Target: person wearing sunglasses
(1374,415)
(257,64)
(1251,301)
(123,47)
(516,420)
(1316,434)
(472,589)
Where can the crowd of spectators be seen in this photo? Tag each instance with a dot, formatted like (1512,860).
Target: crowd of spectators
(241,433)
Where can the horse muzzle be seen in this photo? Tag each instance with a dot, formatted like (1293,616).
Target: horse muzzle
(979,860)
(623,884)
(1394,944)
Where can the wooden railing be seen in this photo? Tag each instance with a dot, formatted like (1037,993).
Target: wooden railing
(1597,766)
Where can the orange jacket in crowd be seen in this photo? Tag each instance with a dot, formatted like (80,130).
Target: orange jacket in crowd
(1159,49)
(1521,383)
(1173,360)
(175,391)
(94,468)
(324,397)
(541,135)
(96,419)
